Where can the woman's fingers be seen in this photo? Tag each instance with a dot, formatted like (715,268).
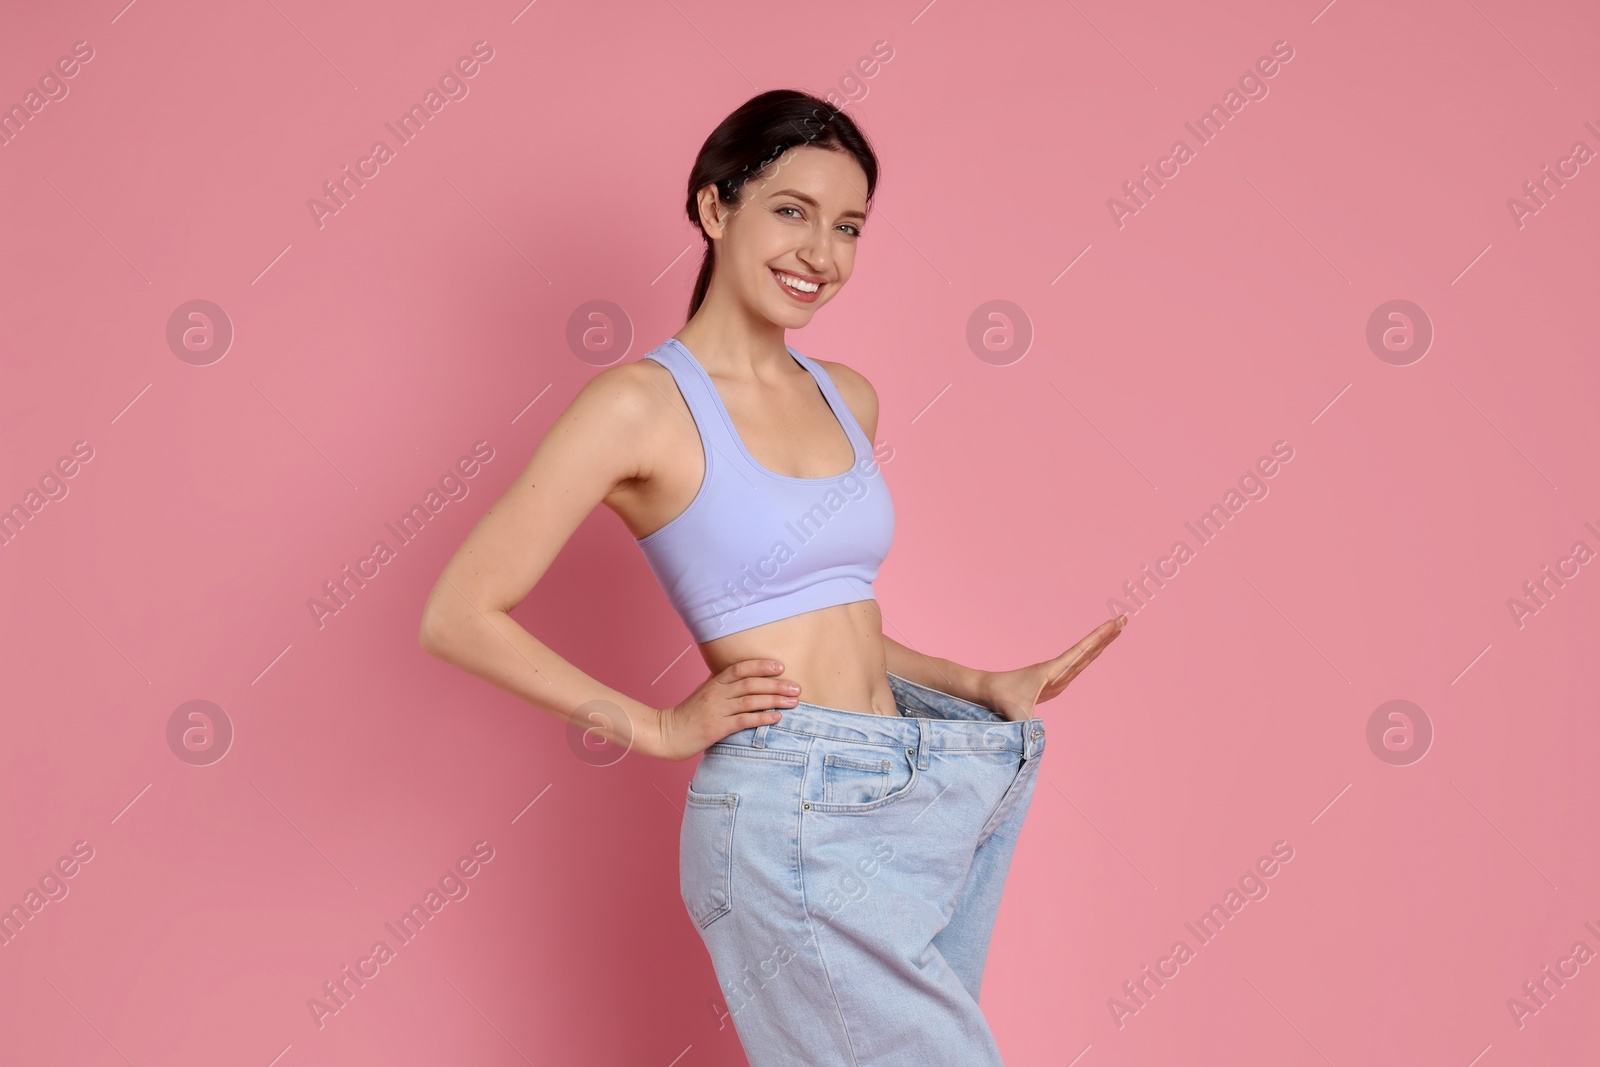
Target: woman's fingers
(747,686)
(1098,638)
(1067,666)
(1086,659)
(749,668)
(747,676)
(757,702)
(767,685)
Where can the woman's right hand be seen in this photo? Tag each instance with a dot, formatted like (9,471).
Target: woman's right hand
(742,695)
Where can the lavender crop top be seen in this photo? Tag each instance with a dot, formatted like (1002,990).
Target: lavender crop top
(754,546)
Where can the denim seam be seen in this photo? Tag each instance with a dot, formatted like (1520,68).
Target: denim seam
(892,743)
(833,759)
(805,909)
(1008,801)
(934,746)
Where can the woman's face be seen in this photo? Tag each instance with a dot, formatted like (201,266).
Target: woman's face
(798,220)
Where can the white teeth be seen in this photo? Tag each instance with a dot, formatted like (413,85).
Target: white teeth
(796,283)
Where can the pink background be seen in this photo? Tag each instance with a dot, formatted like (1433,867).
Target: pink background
(428,314)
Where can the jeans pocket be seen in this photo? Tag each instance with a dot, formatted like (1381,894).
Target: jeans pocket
(705,855)
(864,778)
(852,780)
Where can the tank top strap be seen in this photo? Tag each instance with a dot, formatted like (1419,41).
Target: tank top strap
(847,418)
(700,395)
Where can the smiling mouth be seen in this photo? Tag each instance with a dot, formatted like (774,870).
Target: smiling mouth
(798,286)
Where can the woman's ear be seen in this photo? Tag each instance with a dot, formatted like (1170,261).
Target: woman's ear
(713,213)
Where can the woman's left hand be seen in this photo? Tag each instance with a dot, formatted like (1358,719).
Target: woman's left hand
(1012,694)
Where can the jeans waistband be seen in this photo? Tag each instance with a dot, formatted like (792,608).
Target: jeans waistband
(929,719)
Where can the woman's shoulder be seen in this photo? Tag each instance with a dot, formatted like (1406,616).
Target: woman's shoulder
(637,395)
(633,381)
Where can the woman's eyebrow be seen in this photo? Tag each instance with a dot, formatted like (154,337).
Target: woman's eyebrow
(798,195)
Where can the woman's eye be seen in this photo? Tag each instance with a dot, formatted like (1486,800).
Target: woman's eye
(854,231)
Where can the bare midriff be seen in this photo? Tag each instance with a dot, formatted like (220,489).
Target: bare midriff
(834,653)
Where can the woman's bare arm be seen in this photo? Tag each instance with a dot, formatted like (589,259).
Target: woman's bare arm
(945,675)
(594,445)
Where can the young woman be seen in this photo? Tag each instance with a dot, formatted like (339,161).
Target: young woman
(842,856)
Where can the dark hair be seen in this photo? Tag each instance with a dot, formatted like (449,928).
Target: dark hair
(758,132)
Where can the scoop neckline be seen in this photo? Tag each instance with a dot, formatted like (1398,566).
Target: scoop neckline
(817,372)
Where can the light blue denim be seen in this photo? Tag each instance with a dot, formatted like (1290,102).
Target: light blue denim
(845,870)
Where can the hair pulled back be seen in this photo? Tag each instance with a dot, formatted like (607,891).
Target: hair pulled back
(755,134)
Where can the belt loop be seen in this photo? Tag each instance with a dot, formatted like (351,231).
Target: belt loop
(1032,737)
(760,740)
(923,732)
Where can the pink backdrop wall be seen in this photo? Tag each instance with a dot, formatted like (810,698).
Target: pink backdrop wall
(1144,359)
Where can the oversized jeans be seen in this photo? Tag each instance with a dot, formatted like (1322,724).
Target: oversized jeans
(845,869)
